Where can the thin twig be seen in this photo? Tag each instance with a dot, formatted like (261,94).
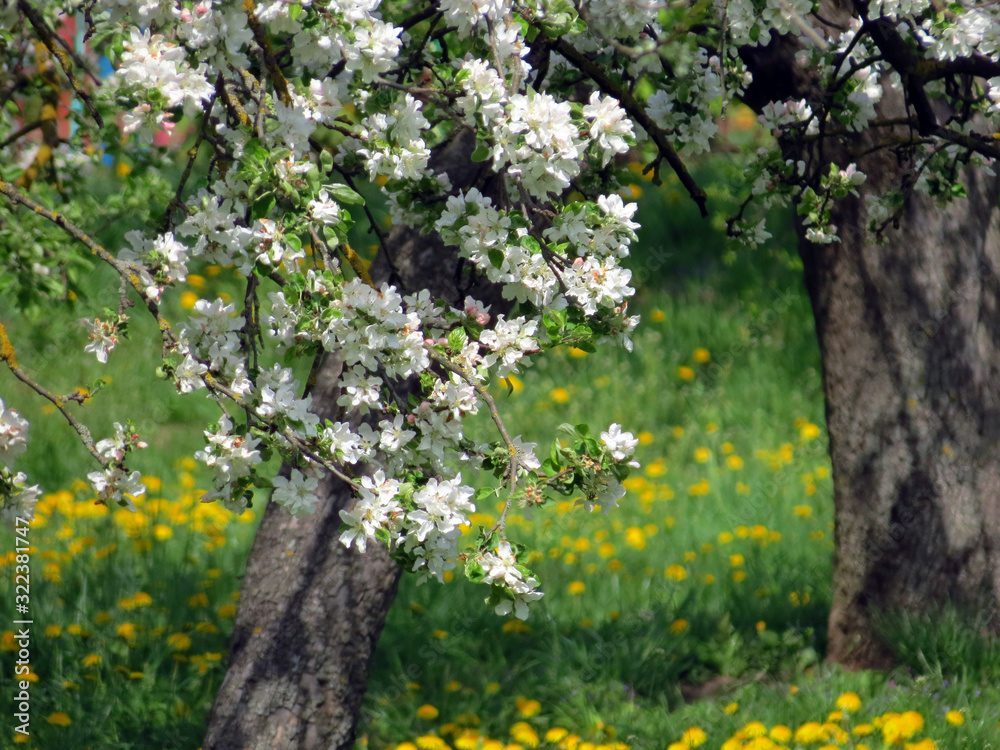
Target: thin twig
(7,355)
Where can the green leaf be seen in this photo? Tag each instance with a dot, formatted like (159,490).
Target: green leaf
(482,152)
(343,194)
(457,339)
(263,205)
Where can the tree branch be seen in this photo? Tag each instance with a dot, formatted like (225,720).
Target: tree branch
(637,112)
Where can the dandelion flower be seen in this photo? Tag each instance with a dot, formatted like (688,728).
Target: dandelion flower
(849,702)
(427,711)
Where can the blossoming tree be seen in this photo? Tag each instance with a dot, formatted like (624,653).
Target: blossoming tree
(494,130)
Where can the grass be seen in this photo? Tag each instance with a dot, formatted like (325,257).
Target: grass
(696,610)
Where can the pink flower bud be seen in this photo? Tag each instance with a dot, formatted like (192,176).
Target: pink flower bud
(483,318)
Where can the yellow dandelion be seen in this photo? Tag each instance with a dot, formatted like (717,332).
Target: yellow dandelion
(162,532)
(179,641)
(809,431)
(556,734)
(577,587)
(657,316)
(736,560)
(431,742)
(53,631)
(427,711)
(694,737)
(59,719)
(811,731)
(635,537)
(513,384)
(523,733)
(685,373)
(227,610)
(516,626)
(780,733)
(559,395)
(142,599)
(678,626)
(725,537)
(863,730)
(955,718)
(734,462)
(527,707)
(92,660)
(731,708)
(702,455)
(700,489)
(676,573)
(453,687)
(910,723)
(126,630)
(198,600)
(849,702)
(188,300)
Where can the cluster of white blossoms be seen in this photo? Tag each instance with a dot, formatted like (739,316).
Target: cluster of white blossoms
(297,101)
(17,498)
(152,65)
(115,482)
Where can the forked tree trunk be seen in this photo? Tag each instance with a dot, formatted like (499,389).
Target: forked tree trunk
(910,339)
(311,610)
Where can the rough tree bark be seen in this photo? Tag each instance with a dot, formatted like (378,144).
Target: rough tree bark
(910,339)
(311,610)
(909,334)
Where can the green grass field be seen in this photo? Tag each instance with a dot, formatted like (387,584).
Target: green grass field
(694,615)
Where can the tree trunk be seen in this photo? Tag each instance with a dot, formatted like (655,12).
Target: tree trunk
(909,333)
(310,614)
(910,339)
(311,610)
